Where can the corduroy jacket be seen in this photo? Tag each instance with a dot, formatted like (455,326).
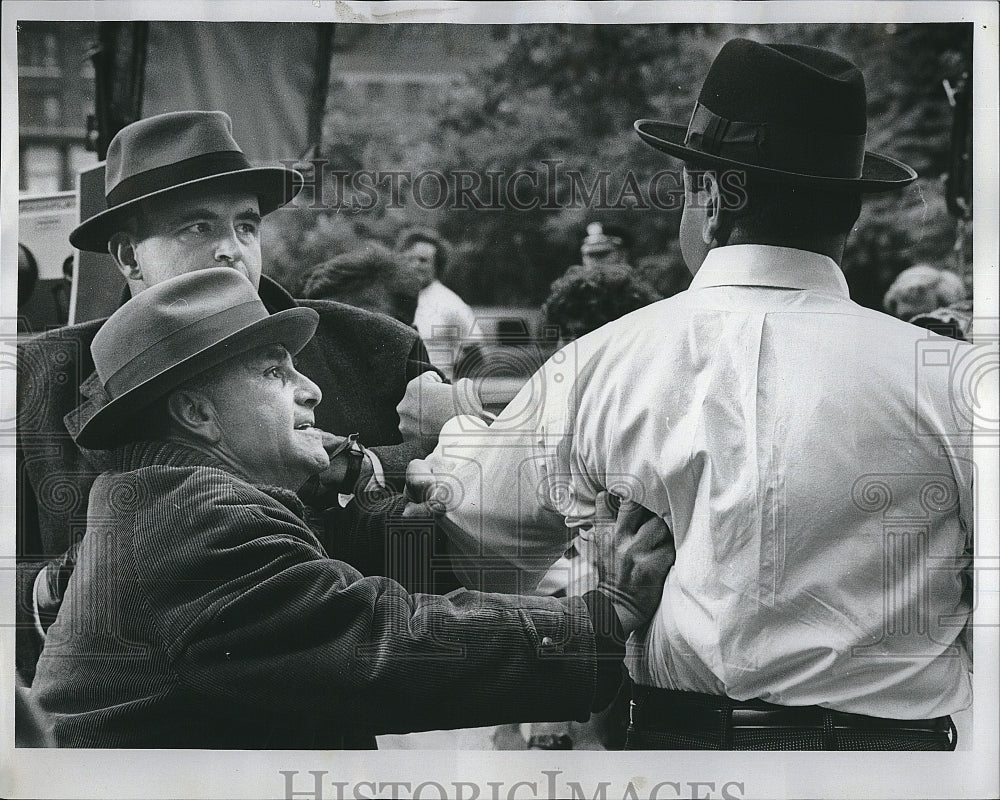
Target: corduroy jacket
(360,360)
(203,613)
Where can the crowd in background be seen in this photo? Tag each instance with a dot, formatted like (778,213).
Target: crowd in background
(406,283)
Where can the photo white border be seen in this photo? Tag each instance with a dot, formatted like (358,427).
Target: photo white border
(26,773)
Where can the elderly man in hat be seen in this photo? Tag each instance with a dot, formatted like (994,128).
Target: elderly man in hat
(182,197)
(204,613)
(808,458)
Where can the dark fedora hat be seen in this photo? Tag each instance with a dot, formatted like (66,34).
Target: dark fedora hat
(781,112)
(175,150)
(173,331)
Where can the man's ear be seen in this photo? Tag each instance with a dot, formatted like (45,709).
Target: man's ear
(718,222)
(711,199)
(121,246)
(194,413)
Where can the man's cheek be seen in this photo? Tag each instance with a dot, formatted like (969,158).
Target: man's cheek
(321,458)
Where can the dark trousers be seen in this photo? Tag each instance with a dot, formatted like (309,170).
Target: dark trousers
(662,719)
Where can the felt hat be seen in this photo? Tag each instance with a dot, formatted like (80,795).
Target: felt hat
(785,113)
(173,331)
(170,151)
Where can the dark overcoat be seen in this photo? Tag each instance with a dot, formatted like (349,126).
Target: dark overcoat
(203,613)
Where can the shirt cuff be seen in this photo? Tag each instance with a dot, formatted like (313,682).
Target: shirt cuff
(609,647)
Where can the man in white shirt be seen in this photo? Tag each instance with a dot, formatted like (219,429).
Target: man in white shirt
(443,319)
(809,454)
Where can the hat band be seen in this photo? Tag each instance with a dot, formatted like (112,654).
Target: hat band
(776,146)
(182,343)
(170,175)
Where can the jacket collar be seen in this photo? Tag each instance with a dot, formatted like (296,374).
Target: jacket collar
(273,295)
(768,265)
(137,455)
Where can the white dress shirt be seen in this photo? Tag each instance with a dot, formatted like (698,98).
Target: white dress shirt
(445,322)
(807,455)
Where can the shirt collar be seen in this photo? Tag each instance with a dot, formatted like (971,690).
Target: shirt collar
(768,265)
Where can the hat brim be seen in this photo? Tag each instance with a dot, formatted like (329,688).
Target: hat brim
(878,173)
(115,423)
(270,184)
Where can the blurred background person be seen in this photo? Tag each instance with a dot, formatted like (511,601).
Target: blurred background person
(604,245)
(27,277)
(62,292)
(371,277)
(443,319)
(920,289)
(954,321)
(588,296)
(27,274)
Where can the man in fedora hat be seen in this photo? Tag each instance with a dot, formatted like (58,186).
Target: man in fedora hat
(182,196)
(204,613)
(782,431)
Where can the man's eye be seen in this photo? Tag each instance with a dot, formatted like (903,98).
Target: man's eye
(198,227)
(247,229)
(275,372)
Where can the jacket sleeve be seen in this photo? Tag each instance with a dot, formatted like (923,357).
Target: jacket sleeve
(253,611)
(371,535)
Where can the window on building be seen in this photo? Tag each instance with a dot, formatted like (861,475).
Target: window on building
(52,110)
(41,169)
(38,53)
(50,51)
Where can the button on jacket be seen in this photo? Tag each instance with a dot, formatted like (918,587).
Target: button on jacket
(811,457)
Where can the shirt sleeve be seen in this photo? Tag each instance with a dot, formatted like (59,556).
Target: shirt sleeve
(518,488)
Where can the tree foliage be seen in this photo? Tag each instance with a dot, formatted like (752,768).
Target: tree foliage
(569,94)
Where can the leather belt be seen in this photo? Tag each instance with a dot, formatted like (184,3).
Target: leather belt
(668,710)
